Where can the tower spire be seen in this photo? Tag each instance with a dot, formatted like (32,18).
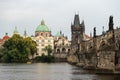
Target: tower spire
(111,23)
(103,32)
(16,31)
(83,26)
(76,20)
(25,32)
(90,35)
(6,34)
(42,22)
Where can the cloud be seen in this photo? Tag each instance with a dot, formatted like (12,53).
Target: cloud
(58,14)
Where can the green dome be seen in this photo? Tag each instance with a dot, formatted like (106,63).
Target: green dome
(42,27)
(59,33)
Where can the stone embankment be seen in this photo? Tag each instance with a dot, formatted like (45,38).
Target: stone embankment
(104,67)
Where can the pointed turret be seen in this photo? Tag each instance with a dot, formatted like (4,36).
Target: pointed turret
(83,26)
(111,23)
(6,34)
(25,33)
(6,37)
(90,35)
(59,34)
(103,32)
(16,31)
(42,22)
(76,20)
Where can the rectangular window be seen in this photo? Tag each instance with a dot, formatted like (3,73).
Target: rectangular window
(42,49)
(42,45)
(37,44)
(48,40)
(37,40)
(37,49)
(42,40)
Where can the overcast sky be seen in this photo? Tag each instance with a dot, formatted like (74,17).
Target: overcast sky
(57,14)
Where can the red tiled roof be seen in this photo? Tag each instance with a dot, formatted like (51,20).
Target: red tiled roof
(0,40)
(87,36)
(6,37)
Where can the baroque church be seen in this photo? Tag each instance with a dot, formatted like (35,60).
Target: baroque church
(59,43)
(43,38)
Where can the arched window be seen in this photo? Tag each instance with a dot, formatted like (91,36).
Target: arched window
(46,35)
(68,50)
(41,34)
(76,39)
(63,42)
(63,50)
(58,50)
(36,34)
(43,54)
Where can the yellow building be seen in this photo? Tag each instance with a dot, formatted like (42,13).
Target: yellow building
(42,42)
(61,47)
(62,44)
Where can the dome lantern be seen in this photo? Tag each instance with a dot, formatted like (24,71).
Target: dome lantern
(42,27)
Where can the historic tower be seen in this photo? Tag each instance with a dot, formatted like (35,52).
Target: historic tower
(77,30)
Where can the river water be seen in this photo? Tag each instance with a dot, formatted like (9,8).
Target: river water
(44,71)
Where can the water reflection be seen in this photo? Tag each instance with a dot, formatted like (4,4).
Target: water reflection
(80,74)
(43,71)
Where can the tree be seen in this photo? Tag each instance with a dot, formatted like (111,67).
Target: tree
(17,49)
(46,58)
(48,49)
(30,46)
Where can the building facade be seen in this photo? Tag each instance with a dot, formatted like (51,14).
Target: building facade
(43,38)
(61,47)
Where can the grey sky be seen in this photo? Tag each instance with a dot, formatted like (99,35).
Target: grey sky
(57,14)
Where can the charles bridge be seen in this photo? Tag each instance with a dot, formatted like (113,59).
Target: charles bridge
(100,53)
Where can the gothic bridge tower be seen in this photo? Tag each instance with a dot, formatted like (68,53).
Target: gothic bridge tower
(77,30)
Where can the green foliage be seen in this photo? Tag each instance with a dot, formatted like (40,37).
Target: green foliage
(48,49)
(44,58)
(17,49)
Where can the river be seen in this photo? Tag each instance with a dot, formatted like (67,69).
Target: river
(44,71)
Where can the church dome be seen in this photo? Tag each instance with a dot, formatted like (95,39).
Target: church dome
(59,33)
(42,27)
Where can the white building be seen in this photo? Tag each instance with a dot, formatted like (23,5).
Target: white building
(43,38)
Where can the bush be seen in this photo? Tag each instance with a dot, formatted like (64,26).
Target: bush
(44,58)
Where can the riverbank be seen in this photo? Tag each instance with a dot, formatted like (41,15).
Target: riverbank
(97,70)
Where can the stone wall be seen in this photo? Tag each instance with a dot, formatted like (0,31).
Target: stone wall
(106,60)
